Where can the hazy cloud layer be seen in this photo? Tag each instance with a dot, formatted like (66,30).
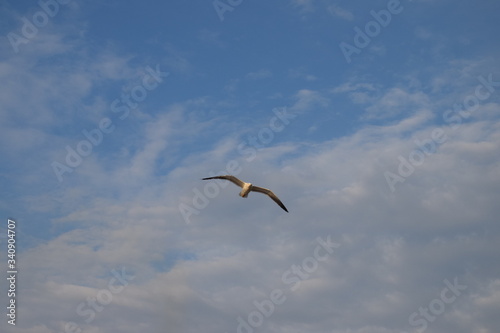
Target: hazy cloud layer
(392,181)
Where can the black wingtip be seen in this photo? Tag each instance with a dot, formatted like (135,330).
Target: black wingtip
(283,207)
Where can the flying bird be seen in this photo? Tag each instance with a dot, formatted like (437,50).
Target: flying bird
(248,187)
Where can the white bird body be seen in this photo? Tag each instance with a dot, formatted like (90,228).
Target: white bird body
(246,188)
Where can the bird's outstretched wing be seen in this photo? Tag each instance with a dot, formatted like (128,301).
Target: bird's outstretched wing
(271,195)
(232,179)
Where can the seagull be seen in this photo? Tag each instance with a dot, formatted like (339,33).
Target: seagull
(248,187)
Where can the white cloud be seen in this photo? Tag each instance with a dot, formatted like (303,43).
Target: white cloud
(210,37)
(304,5)
(342,13)
(307,99)
(260,74)
(120,208)
(389,262)
(395,102)
(383,103)
(302,74)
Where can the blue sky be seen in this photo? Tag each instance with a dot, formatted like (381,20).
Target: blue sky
(387,158)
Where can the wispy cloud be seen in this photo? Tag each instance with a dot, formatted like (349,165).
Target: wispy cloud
(109,250)
(260,74)
(339,12)
(304,5)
